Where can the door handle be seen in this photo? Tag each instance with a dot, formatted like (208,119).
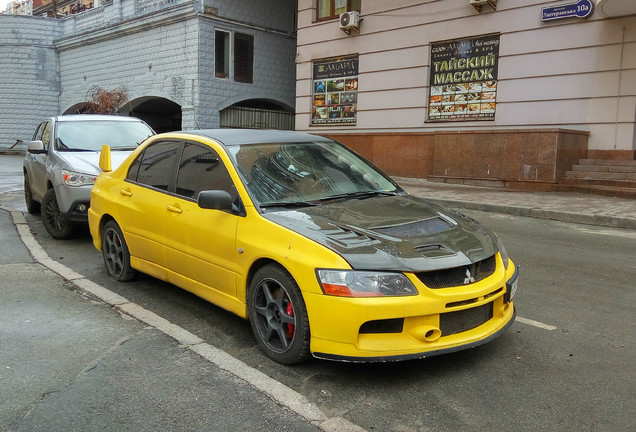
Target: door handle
(175,208)
(126,192)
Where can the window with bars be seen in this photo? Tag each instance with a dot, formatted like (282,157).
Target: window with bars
(243,58)
(328,9)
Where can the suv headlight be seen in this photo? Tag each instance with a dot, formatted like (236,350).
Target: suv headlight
(352,283)
(71,178)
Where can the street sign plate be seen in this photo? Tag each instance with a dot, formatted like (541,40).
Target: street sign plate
(580,9)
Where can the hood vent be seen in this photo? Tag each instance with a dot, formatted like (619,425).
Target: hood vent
(345,237)
(430,226)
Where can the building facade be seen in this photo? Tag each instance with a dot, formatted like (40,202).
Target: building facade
(183,64)
(502,93)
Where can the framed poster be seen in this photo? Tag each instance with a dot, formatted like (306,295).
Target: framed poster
(335,91)
(463,81)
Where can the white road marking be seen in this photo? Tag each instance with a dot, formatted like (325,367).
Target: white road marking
(535,323)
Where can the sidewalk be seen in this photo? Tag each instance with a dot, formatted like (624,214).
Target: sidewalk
(72,359)
(561,206)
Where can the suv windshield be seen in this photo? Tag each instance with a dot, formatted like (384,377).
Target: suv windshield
(306,172)
(91,135)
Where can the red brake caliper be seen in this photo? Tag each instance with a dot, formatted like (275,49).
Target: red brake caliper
(290,327)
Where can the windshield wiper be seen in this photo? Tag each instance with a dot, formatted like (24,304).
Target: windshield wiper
(123,148)
(76,150)
(289,204)
(359,194)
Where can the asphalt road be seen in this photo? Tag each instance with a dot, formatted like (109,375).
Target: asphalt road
(567,364)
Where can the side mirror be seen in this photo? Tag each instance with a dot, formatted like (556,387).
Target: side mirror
(215,200)
(36,147)
(104,159)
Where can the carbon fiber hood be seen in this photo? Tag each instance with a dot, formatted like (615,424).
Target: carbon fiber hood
(398,233)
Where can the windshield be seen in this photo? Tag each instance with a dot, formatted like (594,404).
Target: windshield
(306,173)
(91,135)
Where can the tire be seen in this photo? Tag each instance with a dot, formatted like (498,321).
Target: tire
(278,315)
(32,206)
(115,253)
(55,222)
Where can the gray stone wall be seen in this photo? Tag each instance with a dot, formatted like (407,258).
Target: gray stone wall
(153,48)
(159,59)
(29,77)
(274,72)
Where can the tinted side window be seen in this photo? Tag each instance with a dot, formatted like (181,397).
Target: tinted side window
(201,169)
(38,132)
(155,167)
(46,135)
(133,171)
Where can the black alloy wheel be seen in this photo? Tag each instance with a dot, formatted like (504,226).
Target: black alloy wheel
(115,253)
(278,315)
(53,220)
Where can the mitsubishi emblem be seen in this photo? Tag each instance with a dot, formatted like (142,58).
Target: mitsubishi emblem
(469,278)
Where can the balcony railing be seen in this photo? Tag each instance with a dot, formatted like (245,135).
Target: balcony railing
(111,11)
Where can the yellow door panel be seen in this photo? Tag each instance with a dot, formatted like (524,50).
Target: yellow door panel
(139,214)
(204,246)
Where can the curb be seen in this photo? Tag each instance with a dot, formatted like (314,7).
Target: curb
(13,152)
(537,213)
(281,394)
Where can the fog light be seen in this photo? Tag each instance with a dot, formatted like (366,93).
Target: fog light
(82,207)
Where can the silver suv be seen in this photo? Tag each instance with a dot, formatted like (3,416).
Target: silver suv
(62,163)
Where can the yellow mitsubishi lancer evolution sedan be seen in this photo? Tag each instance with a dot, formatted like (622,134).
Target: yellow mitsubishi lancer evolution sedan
(323,253)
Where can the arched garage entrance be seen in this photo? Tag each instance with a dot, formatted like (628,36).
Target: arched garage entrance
(257,114)
(161,114)
(78,108)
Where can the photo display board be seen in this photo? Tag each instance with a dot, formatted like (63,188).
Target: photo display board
(463,81)
(335,92)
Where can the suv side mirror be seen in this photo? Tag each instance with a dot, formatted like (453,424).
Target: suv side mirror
(36,147)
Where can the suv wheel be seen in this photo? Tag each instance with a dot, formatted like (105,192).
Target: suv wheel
(32,205)
(55,222)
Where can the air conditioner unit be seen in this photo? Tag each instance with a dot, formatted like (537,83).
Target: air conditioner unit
(350,21)
(477,4)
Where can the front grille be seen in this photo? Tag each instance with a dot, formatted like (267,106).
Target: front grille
(383,326)
(458,276)
(456,322)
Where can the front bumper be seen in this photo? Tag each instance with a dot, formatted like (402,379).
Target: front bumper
(73,202)
(421,355)
(78,212)
(437,321)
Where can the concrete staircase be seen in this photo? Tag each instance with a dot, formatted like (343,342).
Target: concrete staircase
(601,177)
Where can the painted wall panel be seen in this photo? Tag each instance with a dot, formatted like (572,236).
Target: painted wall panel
(562,74)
